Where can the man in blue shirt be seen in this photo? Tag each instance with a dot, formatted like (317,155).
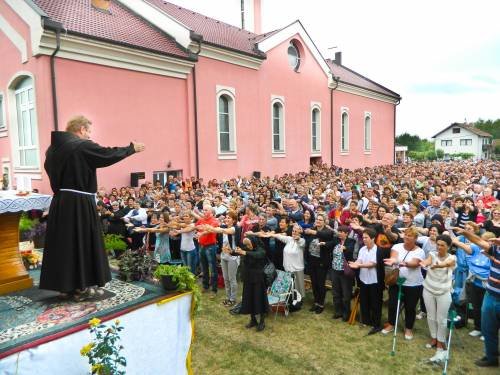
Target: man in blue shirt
(490,311)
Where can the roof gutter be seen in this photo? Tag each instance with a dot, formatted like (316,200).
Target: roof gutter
(48,24)
(197,38)
(394,138)
(336,80)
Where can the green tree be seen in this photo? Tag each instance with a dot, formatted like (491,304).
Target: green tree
(489,126)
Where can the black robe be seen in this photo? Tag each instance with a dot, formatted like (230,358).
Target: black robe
(74,255)
(254,297)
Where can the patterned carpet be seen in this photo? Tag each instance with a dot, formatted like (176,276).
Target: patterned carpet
(33,314)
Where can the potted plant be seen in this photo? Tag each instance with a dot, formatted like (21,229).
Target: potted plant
(114,243)
(26,225)
(178,278)
(135,266)
(32,229)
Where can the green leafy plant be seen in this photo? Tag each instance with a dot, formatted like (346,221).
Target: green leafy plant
(103,352)
(135,266)
(26,223)
(463,155)
(183,278)
(114,242)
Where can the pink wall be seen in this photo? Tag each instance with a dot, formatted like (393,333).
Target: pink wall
(39,68)
(159,111)
(253,113)
(382,134)
(125,106)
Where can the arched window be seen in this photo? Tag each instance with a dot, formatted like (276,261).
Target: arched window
(3,122)
(26,137)
(344,136)
(315,130)
(226,123)
(278,124)
(368,132)
(293,56)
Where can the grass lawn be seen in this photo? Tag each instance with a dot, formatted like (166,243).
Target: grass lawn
(306,343)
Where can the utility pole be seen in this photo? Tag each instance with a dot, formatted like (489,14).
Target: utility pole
(242,14)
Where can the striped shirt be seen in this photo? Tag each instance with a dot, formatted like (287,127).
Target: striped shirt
(493,285)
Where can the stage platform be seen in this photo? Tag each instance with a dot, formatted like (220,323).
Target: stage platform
(39,334)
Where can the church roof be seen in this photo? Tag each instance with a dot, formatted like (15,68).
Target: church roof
(351,77)
(118,26)
(213,31)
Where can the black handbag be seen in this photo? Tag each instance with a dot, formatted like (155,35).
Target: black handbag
(269,273)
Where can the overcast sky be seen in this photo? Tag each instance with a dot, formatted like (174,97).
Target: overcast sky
(441,56)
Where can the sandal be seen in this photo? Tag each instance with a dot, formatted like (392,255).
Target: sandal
(81,295)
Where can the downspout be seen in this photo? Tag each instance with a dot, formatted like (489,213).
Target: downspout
(336,80)
(394,144)
(197,38)
(56,27)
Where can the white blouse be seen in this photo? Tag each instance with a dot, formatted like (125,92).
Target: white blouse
(293,253)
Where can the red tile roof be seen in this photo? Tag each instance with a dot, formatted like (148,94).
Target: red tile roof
(119,26)
(350,77)
(214,32)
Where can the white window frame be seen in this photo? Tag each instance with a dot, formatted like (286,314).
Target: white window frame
(315,106)
(466,142)
(230,93)
(282,152)
(344,150)
(3,115)
(367,139)
(14,124)
(444,142)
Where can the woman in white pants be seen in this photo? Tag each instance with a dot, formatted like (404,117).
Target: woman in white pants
(437,293)
(228,241)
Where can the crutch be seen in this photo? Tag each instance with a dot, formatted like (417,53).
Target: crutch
(400,283)
(453,315)
(354,311)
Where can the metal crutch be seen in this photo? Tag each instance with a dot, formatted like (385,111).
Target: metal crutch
(400,283)
(453,315)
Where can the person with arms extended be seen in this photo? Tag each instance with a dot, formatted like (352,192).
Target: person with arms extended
(74,257)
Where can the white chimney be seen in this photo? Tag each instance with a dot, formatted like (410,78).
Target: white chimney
(252,15)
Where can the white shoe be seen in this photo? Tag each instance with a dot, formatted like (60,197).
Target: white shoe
(388,330)
(481,338)
(475,333)
(439,356)
(421,315)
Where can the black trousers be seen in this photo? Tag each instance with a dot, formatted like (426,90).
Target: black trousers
(475,295)
(370,298)
(342,293)
(422,303)
(410,297)
(318,278)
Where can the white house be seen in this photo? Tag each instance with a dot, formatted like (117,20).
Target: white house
(464,138)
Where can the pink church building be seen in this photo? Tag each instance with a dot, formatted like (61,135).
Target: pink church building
(208,99)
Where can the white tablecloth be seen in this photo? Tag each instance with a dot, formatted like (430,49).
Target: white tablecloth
(10,202)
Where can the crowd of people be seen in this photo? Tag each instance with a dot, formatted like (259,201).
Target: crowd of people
(438,224)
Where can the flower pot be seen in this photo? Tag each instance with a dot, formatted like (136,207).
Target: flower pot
(168,283)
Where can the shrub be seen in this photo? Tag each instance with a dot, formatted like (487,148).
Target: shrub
(114,242)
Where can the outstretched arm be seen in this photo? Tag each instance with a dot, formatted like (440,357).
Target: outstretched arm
(99,157)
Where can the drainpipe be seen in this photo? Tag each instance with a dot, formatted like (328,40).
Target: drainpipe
(198,38)
(336,79)
(394,143)
(56,27)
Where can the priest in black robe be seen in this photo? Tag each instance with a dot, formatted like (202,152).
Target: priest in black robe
(74,257)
